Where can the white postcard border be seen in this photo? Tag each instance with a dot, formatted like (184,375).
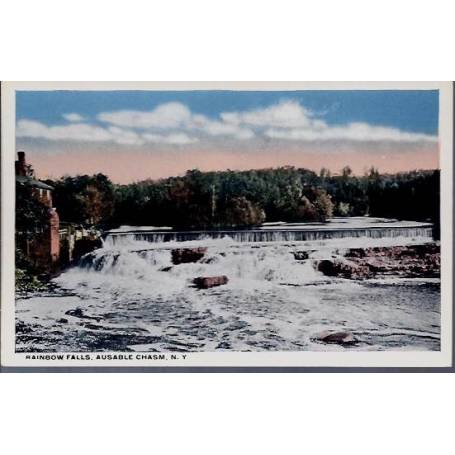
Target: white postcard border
(10,358)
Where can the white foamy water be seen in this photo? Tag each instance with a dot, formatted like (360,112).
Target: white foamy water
(131,297)
(335,228)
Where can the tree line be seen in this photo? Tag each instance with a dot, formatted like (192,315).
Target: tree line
(246,198)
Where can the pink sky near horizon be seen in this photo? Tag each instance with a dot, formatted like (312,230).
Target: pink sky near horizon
(126,167)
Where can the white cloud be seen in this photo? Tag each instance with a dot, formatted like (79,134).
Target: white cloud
(170,116)
(215,128)
(174,138)
(89,133)
(287,114)
(75,132)
(124,136)
(73,117)
(164,116)
(173,123)
(289,120)
(357,132)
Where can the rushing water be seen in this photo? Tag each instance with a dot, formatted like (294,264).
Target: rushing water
(338,228)
(131,297)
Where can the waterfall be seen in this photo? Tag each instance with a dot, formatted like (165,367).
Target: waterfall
(134,262)
(152,271)
(273,235)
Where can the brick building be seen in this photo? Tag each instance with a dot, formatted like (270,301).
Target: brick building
(44,249)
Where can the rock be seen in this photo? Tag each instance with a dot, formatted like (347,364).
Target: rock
(301,255)
(411,261)
(237,325)
(22,327)
(205,282)
(77,312)
(210,260)
(343,269)
(91,326)
(62,321)
(166,269)
(356,253)
(223,345)
(335,337)
(186,255)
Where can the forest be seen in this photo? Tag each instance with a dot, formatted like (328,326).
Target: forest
(226,199)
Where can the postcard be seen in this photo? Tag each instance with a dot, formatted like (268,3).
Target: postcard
(227,224)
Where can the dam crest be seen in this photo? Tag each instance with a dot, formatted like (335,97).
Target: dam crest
(335,228)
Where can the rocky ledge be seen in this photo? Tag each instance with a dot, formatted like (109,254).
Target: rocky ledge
(412,261)
(186,255)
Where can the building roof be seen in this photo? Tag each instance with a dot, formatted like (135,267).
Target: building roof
(32,182)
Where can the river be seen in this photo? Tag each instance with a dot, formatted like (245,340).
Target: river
(128,296)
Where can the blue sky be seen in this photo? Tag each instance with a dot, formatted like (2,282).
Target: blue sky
(409,110)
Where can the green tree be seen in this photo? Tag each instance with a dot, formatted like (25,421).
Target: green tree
(200,199)
(316,205)
(242,212)
(31,213)
(323,205)
(306,210)
(86,200)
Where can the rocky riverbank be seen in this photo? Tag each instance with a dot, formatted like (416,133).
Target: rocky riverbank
(411,261)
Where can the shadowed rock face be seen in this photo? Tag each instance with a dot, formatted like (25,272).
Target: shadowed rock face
(344,269)
(84,246)
(205,282)
(412,261)
(186,255)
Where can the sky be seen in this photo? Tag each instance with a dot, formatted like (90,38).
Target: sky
(135,135)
